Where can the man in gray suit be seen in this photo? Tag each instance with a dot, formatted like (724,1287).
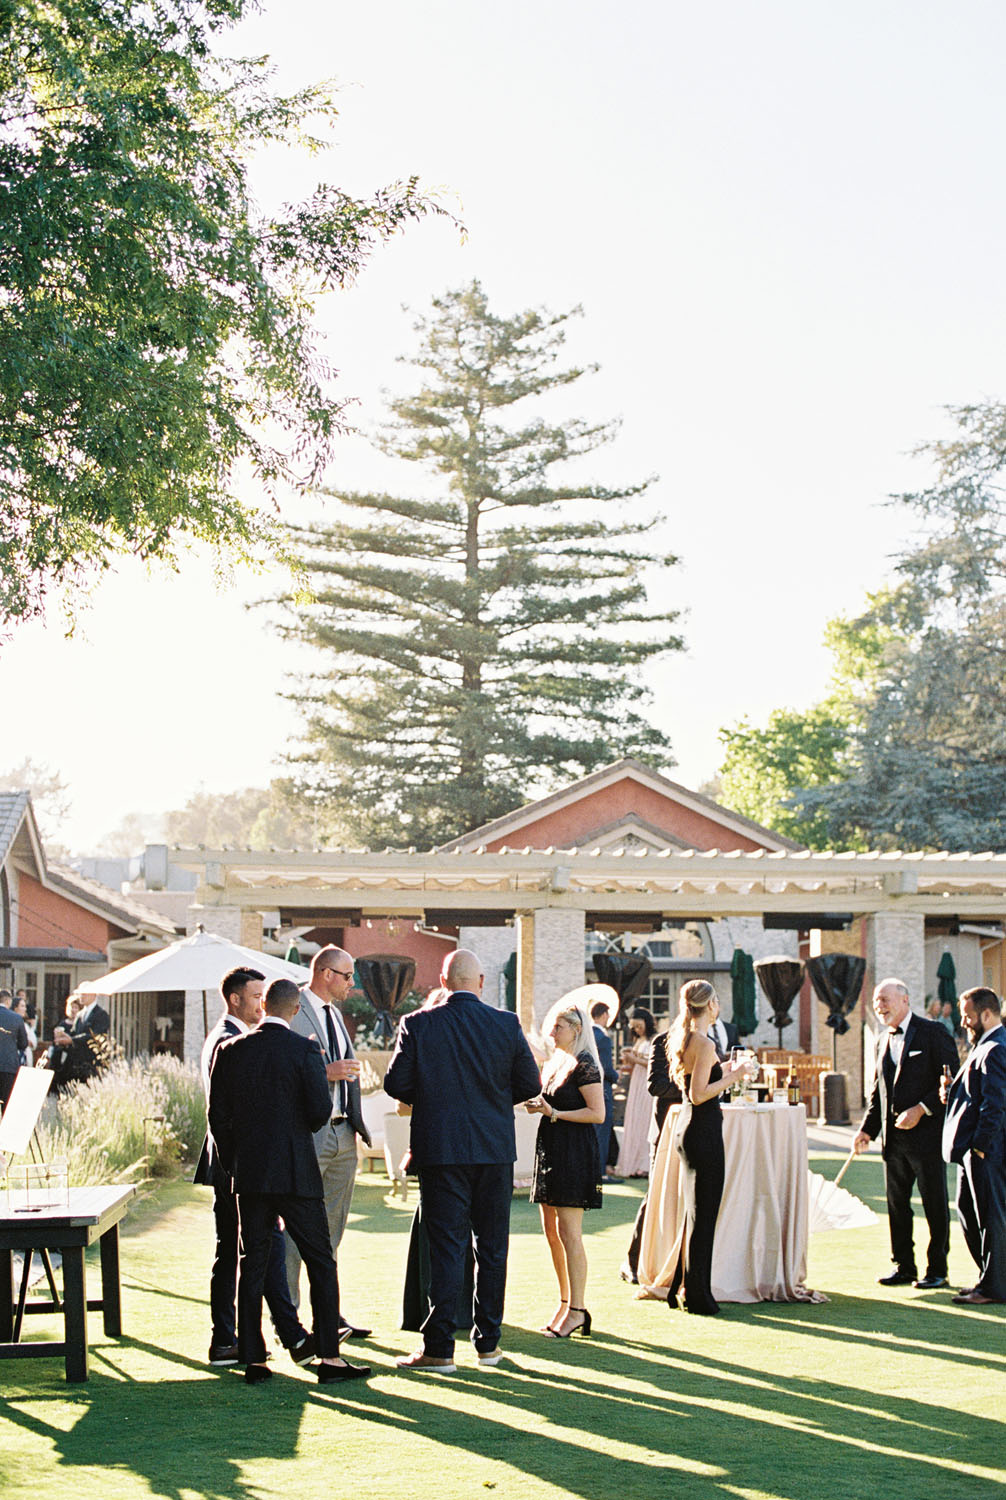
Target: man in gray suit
(319,1018)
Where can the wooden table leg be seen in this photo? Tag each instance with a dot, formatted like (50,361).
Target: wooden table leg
(75,1312)
(6,1296)
(111,1300)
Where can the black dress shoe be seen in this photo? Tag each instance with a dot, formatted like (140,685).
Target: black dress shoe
(255,1374)
(897,1278)
(328,1374)
(347,1331)
(930,1283)
(304,1352)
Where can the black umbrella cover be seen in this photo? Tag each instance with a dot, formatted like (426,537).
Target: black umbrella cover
(837,979)
(781,979)
(627,973)
(386,979)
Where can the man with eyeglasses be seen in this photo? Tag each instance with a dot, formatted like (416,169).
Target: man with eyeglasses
(319,1017)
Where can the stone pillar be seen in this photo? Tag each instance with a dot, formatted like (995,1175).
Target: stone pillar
(850,1046)
(203,1010)
(251,930)
(550,960)
(494,946)
(895,948)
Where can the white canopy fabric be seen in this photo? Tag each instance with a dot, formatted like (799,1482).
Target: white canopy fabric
(198,962)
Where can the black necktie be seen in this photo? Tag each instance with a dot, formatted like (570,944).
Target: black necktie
(335,1051)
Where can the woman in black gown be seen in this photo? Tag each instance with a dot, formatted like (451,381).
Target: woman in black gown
(698,1138)
(567,1164)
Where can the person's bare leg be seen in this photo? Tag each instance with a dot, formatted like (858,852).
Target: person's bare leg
(569,1224)
(550,1225)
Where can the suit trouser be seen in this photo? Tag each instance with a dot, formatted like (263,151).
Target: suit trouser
(461,1205)
(903,1167)
(636,1243)
(605,1128)
(224,1273)
(337,1161)
(305,1224)
(981,1208)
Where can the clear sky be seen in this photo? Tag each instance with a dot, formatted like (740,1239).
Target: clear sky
(785,224)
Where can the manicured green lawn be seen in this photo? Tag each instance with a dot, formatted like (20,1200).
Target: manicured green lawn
(867,1397)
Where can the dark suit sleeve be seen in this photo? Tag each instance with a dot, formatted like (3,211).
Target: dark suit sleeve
(606,1057)
(400,1079)
(659,1082)
(990,1131)
(525,1080)
(220,1113)
(945,1056)
(317,1098)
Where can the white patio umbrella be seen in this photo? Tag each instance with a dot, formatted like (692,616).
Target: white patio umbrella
(198,962)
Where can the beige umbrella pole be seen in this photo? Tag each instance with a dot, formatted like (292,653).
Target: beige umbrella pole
(845,1166)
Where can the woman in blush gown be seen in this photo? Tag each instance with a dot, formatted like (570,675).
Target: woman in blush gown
(698,1138)
(634,1155)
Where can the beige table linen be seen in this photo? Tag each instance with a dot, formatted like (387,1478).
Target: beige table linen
(760,1251)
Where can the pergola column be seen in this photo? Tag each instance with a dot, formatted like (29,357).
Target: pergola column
(896,949)
(549,960)
(202,1009)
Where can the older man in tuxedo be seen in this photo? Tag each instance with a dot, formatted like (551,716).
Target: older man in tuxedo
(462,1066)
(974,1136)
(320,1020)
(268,1095)
(905,1110)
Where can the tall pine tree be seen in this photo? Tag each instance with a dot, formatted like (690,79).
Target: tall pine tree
(485,644)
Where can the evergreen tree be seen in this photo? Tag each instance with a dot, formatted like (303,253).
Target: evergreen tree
(913,749)
(481,643)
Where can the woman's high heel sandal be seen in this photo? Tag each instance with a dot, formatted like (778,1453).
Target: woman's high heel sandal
(581,1328)
(548,1328)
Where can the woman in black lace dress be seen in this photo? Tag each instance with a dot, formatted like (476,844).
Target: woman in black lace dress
(567,1167)
(698,1138)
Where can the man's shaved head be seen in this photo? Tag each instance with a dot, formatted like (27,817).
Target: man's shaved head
(463,971)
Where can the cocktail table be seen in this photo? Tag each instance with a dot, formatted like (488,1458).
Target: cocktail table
(93,1213)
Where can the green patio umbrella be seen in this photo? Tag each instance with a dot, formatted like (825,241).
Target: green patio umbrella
(743,993)
(947,989)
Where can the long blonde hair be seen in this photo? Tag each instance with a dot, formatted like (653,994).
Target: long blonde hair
(694,1000)
(560,1063)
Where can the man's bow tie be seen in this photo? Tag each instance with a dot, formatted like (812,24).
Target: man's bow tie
(896,1030)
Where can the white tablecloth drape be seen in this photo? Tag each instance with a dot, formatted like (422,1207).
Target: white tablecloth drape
(760,1252)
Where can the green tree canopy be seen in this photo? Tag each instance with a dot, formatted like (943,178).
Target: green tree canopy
(484,639)
(919,708)
(155,326)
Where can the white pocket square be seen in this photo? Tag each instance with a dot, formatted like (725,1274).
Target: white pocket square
(916,1053)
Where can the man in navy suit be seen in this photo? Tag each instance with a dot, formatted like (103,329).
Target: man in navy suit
(462,1066)
(241,990)
(601,1017)
(268,1095)
(905,1110)
(13,1039)
(974,1136)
